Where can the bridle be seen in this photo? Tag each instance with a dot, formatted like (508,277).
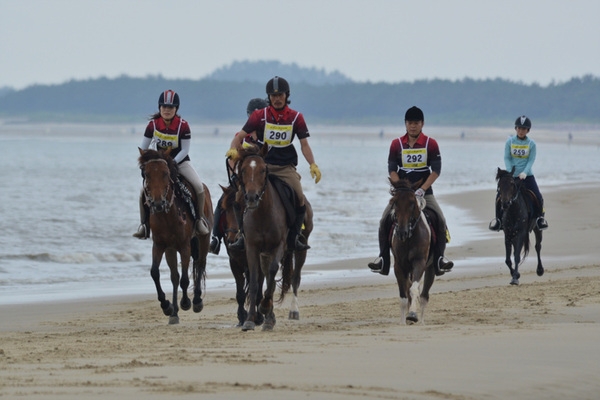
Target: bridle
(517,189)
(163,205)
(413,220)
(264,186)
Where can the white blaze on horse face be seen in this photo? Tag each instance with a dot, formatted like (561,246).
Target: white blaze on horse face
(253,166)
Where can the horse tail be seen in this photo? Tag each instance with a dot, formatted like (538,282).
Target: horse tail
(526,245)
(287,266)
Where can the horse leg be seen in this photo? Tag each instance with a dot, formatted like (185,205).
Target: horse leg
(424,298)
(165,305)
(269,263)
(253,280)
(538,249)
(403,282)
(240,290)
(517,246)
(508,246)
(171,257)
(199,253)
(294,310)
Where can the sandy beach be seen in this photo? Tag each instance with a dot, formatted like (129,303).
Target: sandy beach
(482,338)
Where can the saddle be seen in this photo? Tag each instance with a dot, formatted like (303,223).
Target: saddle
(288,198)
(532,201)
(181,188)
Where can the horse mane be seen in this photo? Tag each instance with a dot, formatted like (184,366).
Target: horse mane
(151,155)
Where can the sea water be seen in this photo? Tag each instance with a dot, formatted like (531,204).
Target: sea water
(69,201)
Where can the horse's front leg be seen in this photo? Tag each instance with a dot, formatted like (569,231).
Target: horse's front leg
(240,289)
(427,284)
(171,256)
(517,247)
(270,266)
(538,249)
(165,305)
(184,282)
(403,282)
(253,278)
(296,278)
(508,247)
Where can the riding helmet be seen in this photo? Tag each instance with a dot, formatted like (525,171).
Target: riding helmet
(256,104)
(168,98)
(523,122)
(278,85)
(414,114)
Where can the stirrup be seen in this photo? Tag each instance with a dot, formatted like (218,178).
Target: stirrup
(239,244)
(541,223)
(444,266)
(142,232)
(376,265)
(215,245)
(201,227)
(299,246)
(495,225)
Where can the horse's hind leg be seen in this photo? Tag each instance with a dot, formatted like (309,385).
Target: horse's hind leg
(294,310)
(538,249)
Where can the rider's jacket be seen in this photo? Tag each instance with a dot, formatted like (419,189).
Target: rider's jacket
(278,128)
(166,137)
(519,153)
(417,162)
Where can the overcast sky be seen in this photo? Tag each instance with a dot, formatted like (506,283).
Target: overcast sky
(53,41)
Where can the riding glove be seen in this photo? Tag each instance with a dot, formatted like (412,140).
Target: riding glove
(315,172)
(419,192)
(231,153)
(522,175)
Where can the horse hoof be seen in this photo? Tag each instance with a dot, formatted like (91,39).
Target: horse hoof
(248,326)
(540,271)
(412,318)
(185,304)
(167,309)
(173,320)
(294,315)
(514,281)
(267,327)
(198,306)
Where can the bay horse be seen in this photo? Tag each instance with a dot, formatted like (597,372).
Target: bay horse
(266,230)
(517,222)
(412,249)
(172,226)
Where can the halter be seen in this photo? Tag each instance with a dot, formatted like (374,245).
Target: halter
(413,221)
(163,206)
(264,187)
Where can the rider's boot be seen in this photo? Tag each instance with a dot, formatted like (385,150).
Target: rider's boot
(381,264)
(201,227)
(215,242)
(239,244)
(496,223)
(442,265)
(293,240)
(143,231)
(541,222)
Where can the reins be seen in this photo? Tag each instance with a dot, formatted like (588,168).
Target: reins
(264,187)
(153,208)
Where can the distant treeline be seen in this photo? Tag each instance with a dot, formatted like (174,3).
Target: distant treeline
(464,102)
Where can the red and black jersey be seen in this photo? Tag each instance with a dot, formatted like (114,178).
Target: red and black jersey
(169,137)
(284,125)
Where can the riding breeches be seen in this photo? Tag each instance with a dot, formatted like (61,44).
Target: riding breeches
(289,175)
(186,170)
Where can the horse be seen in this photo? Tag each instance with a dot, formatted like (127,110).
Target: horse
(266,230)
(412,250)
(517,222)
(172,226)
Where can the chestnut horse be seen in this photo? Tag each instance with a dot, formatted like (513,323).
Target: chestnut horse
(172,227)
(517,223)
(411,245)
(266,230)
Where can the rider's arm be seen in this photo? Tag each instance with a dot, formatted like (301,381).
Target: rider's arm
(236,143)
(185,150)
(307,151)
(145,143)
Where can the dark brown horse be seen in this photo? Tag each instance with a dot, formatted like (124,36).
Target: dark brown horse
(172,227)
(411,244)
(517,223)
(266,230)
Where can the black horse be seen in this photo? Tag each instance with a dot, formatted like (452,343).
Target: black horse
(517,222)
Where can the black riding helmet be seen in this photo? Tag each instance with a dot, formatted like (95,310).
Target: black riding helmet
(279,85)
(523,122)
(256,104)
(169,98)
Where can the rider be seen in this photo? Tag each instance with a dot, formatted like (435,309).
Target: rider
(519,153)
(278,125)
(217,233)
(168,130)
(415,157)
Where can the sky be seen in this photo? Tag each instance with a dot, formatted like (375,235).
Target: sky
(527,41)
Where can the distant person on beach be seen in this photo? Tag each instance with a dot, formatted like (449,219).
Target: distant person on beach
(520,152)
(167,130)
(277,125)
(215,243)
(415,157)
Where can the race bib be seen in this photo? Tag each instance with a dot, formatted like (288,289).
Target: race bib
(519,150)
(278,135)
(166,141)
(414,158)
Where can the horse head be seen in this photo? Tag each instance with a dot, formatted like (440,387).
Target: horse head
(230,224)
(405,208)
(159,172)
(508,189)
(252,171)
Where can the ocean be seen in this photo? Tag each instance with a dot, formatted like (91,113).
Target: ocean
(69,198)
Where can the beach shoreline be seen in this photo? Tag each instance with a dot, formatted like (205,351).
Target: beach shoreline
(482,337)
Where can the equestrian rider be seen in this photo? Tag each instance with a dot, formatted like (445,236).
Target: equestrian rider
(167,130)
(217,233)
(520,152)
(415,157)
(277,125)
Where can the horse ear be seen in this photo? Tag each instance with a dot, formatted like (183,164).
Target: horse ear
(264,149)
(168,151)
(512,171)
(141,151)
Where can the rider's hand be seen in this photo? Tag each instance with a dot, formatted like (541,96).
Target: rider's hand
(522,175)
(419,192)
(315,172)
(232,153)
